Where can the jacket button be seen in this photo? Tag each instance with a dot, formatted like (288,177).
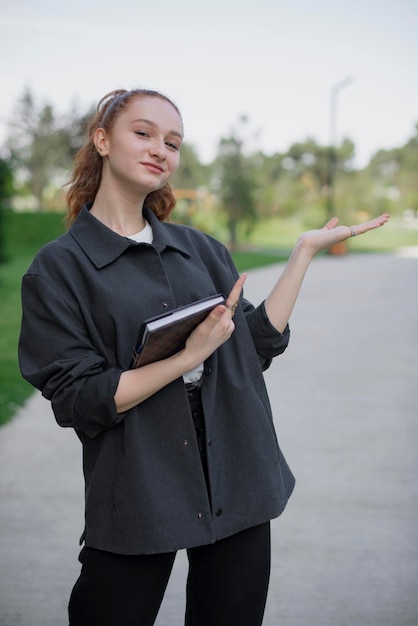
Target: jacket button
(185,442)
(165,305)
(200,515)
(218,512)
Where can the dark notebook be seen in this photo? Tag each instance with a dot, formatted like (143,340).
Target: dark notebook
(162,336)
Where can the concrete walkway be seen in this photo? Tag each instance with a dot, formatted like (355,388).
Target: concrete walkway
(345,397)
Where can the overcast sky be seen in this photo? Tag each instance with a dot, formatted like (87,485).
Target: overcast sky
(272,60)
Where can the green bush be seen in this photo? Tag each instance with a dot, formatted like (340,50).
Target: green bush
(24,234)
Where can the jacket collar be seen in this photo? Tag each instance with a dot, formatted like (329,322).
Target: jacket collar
(103,246)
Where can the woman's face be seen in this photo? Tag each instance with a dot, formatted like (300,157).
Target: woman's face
(142,149)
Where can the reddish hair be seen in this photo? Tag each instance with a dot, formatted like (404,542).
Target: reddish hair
(87,172)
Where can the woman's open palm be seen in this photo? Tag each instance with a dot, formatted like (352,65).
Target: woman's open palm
(316,240)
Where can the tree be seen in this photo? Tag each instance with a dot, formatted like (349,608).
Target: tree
(266,174)
(308,157)
(189,183)
(191,174)
(318,166)
(42,146)
(394,177)
(408,173)
(235,182)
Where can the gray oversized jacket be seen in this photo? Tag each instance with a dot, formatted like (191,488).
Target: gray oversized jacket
(84,298)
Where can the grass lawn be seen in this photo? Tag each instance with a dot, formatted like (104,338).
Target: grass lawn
(25,233)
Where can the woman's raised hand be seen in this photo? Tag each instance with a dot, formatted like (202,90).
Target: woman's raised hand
(316,240)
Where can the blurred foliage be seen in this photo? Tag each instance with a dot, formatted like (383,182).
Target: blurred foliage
(242,185)
(235,184)
(191,174)
(41,147)
(24,234)
(6,180)
(6,192)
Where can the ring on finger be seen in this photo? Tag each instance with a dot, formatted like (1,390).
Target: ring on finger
(232,308)
(353,231)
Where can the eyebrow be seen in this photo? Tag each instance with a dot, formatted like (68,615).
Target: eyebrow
(150,123)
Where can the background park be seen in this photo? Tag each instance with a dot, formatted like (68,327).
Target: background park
(293,111)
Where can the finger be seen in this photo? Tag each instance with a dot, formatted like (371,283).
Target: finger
(377,222)
(216,313)
(331,223)
(234,295)
(216,319)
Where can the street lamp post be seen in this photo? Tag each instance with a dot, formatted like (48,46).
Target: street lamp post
(332,151)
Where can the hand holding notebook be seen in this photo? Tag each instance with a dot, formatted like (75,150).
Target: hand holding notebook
(162,336)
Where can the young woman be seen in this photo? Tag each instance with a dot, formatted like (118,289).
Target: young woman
(180,453)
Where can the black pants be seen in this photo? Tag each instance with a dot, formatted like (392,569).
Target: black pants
(226,586)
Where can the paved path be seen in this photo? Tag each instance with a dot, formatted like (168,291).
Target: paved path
(345,395)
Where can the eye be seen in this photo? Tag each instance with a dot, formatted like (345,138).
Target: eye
(141,133)
(172,146)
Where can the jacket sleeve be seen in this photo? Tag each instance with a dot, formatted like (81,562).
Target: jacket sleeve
(268,341)
(57,356)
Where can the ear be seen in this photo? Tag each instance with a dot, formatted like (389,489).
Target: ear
(100,141)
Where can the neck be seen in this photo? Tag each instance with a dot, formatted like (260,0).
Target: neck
(122,215)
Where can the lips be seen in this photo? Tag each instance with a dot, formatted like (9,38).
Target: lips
(153,167)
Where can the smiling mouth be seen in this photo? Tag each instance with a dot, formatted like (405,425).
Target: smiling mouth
(152,167)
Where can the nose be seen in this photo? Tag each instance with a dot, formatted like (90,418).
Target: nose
(158,149)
